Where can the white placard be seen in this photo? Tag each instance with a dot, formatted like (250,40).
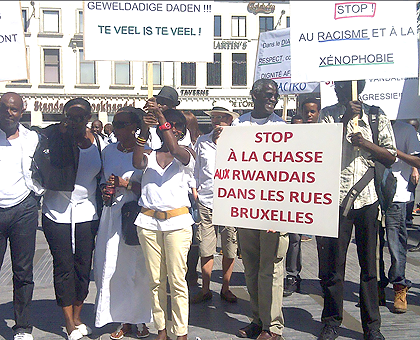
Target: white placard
(273,62)
(397,97)
(12,42)
(282,177)
(148,30)
(353,40)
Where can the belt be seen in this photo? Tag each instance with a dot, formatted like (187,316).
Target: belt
(164,215)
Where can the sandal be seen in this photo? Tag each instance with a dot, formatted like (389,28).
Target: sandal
(144,332)
(121,331)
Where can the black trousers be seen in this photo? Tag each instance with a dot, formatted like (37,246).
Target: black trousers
(332,253)
(19,224)
(71,271)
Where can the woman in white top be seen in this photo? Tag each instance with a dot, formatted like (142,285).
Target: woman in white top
(164,222)
(70,218)
(120,270)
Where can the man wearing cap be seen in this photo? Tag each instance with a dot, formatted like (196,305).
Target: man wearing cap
(167,98)
(205,149)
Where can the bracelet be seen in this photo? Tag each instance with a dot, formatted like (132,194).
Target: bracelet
(165,126)
(129,185)
(141,140)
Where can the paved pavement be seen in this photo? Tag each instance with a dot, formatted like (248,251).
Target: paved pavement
(217,319)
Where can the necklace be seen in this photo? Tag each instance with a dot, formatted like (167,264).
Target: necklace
(126,150)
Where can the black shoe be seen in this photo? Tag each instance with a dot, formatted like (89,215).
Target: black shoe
(291,285)
(250,331)
(415,248)
(374,335)
(328,333)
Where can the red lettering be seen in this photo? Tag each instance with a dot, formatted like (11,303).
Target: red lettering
(274,215)
(309,219)
(299,217)
(258,137)
(221,192)
(317,198)
(235,174)
(244,213)
(327,198)
(318,156)
(234,212)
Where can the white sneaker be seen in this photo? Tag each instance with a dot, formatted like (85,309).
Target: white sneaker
(85,330)
(23,336)
(75,335)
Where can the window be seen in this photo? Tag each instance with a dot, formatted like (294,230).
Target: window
(87,70)
(188,74)
(122,73)
(157,74)
(238,26)
(52,66)
(214,71)
(25,20)
(217,26)
(239,69)
(80,21)
(287,21)
(51,21)
(266,24)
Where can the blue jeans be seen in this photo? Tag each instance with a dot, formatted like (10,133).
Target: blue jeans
(396,231)
(18,224)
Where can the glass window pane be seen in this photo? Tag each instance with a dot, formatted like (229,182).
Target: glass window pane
(188,74)
(157,79)
(239,69)
(122,73)
(51,66)
(214,71)
(87,70)
(217,26)
(242,27)
(51,23)
(238,26)
(266,24)
(25,19)
(80,21)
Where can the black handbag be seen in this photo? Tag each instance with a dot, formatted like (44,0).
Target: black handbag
(129,213)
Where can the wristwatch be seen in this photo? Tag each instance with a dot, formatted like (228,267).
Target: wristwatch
(165,126)
(129,185)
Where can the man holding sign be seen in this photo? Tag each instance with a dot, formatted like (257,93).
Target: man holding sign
(357,157)
(263,252)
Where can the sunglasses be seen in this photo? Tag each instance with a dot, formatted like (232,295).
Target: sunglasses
(120,124)
(76,119)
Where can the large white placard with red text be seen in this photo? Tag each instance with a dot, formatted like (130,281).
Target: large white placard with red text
(12,42)
(148,30)
(347,40)
(273,62)
(281,177)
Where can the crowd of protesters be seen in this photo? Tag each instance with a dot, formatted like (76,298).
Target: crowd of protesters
(133,201)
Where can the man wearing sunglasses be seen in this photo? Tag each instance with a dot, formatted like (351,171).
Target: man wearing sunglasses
(263,252)
(18,206)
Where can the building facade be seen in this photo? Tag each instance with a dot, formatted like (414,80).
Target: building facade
(58,72)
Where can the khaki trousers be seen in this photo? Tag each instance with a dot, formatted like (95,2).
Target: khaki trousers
(166,259)
(263,258)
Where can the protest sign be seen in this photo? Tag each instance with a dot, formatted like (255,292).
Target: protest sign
(273,62)
(397,97)
(148,30)
(281,177)
(353,40)
(12,42)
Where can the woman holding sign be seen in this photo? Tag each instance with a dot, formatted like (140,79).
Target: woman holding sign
(164,222)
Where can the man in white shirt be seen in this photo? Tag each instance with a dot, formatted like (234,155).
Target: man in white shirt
(18,207)
(263,252)
(205,149)
(408,152)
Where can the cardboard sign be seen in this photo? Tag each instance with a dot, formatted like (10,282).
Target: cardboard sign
(281,177)
(273,62)
(12,42)
(353,40)
(148,30)
(397,97)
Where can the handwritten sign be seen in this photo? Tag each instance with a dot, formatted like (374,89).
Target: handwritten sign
(148,30)
(281,177)
(12,42)
(353,40)
(273,62)
(397,97)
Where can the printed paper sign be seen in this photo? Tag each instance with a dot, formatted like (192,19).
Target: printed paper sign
(12,42)
(397,97)
(281,177)
(353,40)
(273,62)
(148,30)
